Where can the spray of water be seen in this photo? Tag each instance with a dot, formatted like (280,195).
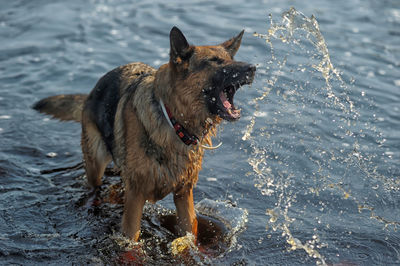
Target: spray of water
(308,141)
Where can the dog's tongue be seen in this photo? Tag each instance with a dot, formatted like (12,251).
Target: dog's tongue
(231,111)
(224,100)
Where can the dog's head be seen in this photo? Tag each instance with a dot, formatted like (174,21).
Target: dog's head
(208,76)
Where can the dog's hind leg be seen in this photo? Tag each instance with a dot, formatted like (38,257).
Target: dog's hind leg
(95,154)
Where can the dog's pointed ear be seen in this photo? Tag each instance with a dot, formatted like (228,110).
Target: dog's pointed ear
(180,49)
(232,45)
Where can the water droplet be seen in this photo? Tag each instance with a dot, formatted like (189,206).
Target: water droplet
(51,154)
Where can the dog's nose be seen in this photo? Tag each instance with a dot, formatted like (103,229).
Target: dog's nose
(252,68)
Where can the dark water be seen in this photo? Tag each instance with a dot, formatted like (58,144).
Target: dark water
(309,175)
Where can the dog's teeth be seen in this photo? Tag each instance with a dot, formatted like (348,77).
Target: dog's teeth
(233,113)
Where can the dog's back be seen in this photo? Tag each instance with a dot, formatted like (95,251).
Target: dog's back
(68,107)
(101,104)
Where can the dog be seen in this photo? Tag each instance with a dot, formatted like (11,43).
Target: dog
(155,124)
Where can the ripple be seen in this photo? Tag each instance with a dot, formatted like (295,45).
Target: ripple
(363,249)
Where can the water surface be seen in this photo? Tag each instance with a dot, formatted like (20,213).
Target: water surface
(309,175)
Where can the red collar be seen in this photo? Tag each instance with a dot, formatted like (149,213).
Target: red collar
(180,131)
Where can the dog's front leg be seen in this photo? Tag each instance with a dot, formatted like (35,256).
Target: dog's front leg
(133,210)
(186,216)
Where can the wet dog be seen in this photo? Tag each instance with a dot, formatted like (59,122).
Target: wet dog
(155,123)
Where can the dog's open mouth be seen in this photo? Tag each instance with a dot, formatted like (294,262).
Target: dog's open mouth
(226,82)
(226,108)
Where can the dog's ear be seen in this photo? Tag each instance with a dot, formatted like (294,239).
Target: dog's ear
(232,45)
(180,49)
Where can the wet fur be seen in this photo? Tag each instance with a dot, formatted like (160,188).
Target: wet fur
(122,121)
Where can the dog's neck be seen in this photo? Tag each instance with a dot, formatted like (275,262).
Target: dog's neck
(180,131)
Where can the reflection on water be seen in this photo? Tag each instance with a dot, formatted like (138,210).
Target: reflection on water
(338,163)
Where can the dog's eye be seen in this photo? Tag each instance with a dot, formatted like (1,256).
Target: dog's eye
(217,60)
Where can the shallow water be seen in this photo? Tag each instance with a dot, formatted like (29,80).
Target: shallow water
(309,175)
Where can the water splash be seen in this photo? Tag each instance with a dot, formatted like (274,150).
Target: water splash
(233,218)
(313,148)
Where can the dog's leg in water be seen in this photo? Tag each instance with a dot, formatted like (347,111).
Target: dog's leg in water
(95,154)
(133,209)
(186,216)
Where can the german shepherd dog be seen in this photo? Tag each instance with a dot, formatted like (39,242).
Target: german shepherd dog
(155,124)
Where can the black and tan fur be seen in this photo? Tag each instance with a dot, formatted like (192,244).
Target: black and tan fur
(122,121)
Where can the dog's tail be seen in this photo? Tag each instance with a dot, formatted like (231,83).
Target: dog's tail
(64,107)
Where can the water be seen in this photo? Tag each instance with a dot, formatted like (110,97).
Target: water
(309,175)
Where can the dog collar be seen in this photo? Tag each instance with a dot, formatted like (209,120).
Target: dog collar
(179,129)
